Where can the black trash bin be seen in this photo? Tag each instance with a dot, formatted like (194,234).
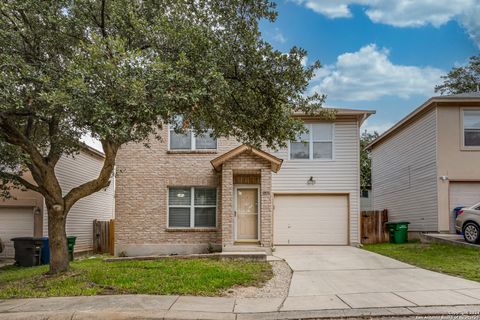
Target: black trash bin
(28,251)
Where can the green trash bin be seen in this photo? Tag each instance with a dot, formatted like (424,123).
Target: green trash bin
(398,231)
(71,245)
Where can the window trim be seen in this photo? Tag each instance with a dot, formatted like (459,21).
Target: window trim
(311,141)
(462,130)
(193,142)
(192,207)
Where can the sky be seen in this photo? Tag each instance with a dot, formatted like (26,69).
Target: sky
(384,55)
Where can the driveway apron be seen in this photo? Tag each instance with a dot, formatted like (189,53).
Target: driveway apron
(363,279)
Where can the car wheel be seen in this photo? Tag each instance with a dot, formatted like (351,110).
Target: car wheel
(471,232)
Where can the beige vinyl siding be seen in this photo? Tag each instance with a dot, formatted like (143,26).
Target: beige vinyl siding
(71,172)
(340,175)
(404,176)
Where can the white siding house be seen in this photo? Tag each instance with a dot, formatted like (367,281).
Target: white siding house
(71,172)
(334,184)
(26,215)
(428,163)
(404,175)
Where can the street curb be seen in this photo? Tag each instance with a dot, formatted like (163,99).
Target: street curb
(426,238)
(372,313)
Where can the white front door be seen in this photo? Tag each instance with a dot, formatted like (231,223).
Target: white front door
(246,213)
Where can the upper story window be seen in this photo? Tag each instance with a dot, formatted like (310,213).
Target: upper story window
(471,128)
(190,140)
(316,144)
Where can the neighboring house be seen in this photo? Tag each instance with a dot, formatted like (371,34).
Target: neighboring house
(188,194)
(429,163)
(27,214)
(366,202)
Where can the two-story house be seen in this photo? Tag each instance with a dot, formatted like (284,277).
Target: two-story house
(429,163)
(188,193)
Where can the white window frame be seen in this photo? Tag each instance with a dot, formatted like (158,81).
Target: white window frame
(311,141)
(193,141)
(462,135)
(192,207)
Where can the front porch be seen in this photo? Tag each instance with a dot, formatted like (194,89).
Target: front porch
(246,199)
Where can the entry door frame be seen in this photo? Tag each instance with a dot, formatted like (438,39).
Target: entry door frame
(235,190)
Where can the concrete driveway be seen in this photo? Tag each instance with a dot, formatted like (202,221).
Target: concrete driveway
(347,277)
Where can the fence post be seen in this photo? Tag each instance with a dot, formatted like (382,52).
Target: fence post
(111,237)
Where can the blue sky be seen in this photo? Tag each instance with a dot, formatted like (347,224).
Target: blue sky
(382,55)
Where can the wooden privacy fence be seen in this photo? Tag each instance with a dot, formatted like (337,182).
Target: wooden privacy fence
(103,236)
(372,226)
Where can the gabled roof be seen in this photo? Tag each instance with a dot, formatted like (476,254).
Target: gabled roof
(450,100)
(275,162)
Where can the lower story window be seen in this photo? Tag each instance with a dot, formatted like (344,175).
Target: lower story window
(192,207)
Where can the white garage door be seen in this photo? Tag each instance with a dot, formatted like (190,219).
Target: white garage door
(14,222)
(464,194)
(310,220)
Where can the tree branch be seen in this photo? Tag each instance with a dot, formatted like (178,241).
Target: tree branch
(25,183)
(102,181)
(102,18)
(54,153)
(15,137)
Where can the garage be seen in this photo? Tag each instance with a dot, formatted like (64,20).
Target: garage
(14,222)
(464,194)
(310,220)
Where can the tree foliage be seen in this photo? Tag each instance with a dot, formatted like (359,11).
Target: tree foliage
(120,70)
(365,160)
(462,79)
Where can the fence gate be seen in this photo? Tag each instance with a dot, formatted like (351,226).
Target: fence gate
(103,236)
(372,226)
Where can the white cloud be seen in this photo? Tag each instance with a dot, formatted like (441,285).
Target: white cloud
(406,13)
(368,75)
(376,127)
(278,36)
(304,61)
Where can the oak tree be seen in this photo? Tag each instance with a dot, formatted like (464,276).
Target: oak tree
(120,70)
(462,79)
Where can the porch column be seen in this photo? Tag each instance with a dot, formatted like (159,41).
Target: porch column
(227,207)
(266,208)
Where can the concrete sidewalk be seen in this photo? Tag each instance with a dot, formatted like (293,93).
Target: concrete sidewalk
(185,307)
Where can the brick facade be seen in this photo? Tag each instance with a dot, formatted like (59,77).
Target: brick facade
(143,178)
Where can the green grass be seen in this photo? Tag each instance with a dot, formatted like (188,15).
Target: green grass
(454,260)
(207,277)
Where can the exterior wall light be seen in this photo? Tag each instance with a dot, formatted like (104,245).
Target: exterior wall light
(444,178)
(310,181)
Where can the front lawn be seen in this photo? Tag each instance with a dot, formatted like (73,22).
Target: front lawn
(206,277)
(449,259)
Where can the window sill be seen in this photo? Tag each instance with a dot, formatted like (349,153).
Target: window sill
(206,151)
(191,229)
(475,148)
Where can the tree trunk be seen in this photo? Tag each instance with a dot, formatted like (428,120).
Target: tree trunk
(58,240)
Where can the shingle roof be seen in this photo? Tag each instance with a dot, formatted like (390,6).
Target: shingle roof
(460,95)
